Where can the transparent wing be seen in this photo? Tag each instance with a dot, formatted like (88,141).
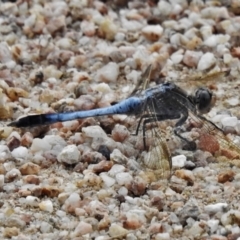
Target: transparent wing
(199,78)
(208,77)
(214,140)
(143,82)
(156,159)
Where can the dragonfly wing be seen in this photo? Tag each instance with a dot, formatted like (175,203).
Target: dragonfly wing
(157,159)
(143,82)
(214,140)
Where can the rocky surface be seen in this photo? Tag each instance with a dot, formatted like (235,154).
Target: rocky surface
(78,179)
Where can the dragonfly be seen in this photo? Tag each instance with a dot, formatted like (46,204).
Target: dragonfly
(152,105)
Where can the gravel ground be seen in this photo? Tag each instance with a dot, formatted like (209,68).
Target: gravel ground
(76,180)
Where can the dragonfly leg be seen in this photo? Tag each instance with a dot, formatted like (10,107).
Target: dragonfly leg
(190,145)
(139,123)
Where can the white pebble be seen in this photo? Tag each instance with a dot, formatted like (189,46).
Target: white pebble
(123,178)
(5,54)
(206,61)
(20,152)
(218,118)
(152,32)
(116,230)
(230,218)
(117,156)
(82,229)
(120,36)
(233,101)
(229,121)
(162,236)
(13,174)
(70,155)
(169,192)
(60,213)
(164,8)
(108,73)
(11,64)
(196,230)
(177,228)
(46,206)
(94,132)
(64,43)
(9,165)
(108,181)
(179,161)
(213,224)
(176,57)
(56,142)
(116,168)
(191,58)
(214,40)
(123,191)
(214,208)
(102,87)
(5,154)
(101,238)
(206,31)
(72,199)
(30,21)
(133,76)
(32,201)
(39,145)
(46,227)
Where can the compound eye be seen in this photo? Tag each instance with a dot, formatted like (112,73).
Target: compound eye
(204,100)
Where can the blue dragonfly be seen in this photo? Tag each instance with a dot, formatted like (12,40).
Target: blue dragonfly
(152,105)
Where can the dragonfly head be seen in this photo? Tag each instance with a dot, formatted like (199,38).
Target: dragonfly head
(204,100)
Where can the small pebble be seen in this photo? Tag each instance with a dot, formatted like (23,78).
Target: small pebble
(229,121)
(226,176)
(108,181)
(123,178)
(213,224)
(70,155)
(32,201)
(162,236)
(214,208)
(39,145)
(94,132)
(5,154)
(186,175)
(81,229)
(152,32)
(46,227)
(108,73)
(116,168)
(12,175)
(230,218)
(46,206)
(191,58)
(206,61)
(29,169)
(10,232)
(116,230)
(20,152)
(179,161)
